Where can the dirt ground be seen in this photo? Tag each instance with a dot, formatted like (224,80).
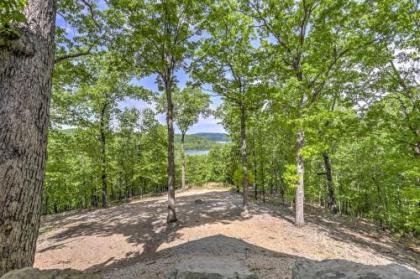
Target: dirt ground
(133,241)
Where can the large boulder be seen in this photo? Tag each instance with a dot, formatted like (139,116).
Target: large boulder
(34,273)
(341,269)
(210,268)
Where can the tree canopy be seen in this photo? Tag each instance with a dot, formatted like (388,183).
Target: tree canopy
(320,100)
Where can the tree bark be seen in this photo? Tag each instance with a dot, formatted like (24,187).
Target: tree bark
(102,139)
(184,163)
(299,219)
(25,94)
(254,166)
(244,160)
(171,159)
(262,178)
(331,201)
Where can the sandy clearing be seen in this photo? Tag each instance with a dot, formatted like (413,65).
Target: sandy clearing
(133,240)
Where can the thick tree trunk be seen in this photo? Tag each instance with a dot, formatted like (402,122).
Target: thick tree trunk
(171,159)
(244,160)
(299,219)
(331,201)
(102,139)
(184,161)
(25,91)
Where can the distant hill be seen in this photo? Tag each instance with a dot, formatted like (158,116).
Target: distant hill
(218,137)
(199,141)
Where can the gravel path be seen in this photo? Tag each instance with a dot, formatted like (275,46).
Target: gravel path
(133,240)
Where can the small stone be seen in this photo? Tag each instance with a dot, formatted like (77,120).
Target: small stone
(245,214)
(199,201)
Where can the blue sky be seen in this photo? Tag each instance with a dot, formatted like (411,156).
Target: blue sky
(209,124)
(204,125)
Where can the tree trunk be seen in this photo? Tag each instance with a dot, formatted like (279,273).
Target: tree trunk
(254,166)
(25,92)
(331,201)
(244,160)
(299,219)
(171,160)
(184,163)
(262,179)
(102,139)
(274,172)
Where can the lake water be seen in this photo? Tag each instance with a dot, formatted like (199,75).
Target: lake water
(192,152)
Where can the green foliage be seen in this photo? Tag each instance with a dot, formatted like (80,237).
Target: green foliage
(219,164)
(238,177)
(196,170)
(11,11)
(216,166)
(290,177)
(136,163)
(189,104)
(331,69)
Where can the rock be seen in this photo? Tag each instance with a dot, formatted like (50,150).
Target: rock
(341,269)
(34,273)
(210,268)
(245,213)
(199,201)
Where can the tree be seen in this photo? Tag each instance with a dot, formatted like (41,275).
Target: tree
(311,42)
(152,168)
(26,56)
(84,32)
(228,62)
(127,149)
(100,94)
(189,104)
(400,65)
(158,35)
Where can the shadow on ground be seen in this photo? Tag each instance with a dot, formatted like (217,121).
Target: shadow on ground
(357,232)
(145,225)
(262,262)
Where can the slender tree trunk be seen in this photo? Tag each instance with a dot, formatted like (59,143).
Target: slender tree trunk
(244,160)
(262,178)
(102,138)
(26,65)
(171,159)
(299,219)
(274,172)
(184,163)
(254,166)
(331,201)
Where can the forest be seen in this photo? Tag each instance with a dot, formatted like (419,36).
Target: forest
(319,100)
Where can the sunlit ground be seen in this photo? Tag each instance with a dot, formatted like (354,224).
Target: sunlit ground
(132,239)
